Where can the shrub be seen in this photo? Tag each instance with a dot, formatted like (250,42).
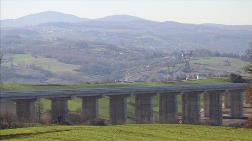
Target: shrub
(8,121)
(235,78)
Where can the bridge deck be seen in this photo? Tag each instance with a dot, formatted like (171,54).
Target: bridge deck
(118,91)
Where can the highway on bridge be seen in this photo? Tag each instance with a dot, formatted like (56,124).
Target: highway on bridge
(118,91)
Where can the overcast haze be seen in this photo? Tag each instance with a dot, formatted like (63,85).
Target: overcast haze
(186,11)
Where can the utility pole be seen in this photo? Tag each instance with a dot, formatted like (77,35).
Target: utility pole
(187,58)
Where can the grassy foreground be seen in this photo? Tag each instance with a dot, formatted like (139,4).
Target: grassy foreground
(134,132)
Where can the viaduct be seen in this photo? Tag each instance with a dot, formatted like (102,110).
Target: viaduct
(168,102)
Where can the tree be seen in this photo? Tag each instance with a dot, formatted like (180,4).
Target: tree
(249,70)
(249,90)
(1,61)
(236,78)
(1,118)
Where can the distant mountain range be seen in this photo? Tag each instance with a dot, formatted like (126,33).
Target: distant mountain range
(41,18)
(106,48)
(130,31)
(54,17)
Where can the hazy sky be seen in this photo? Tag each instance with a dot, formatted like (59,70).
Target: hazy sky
(187,11)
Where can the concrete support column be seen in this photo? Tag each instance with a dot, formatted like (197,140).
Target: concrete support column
(248,98)
(143,109)
(7,108)
(236,97)
(25,110)
(168,108)
(206,104)
(90,106)
(227,100)
(59,109)
(215,107)
(118,109)
(191,107)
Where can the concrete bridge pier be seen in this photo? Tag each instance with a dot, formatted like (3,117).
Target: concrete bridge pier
(236,101)
(90,106)
(215,107)
(227,100)
(118,109)
(191,107)
(59,109)
(168,108)
(7,108)
(206,98)
(248,98)
(143,109)
(25,110)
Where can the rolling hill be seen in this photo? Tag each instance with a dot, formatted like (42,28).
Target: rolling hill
(63,48)
(40,18)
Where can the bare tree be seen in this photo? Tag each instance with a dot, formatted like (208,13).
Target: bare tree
(1,61)
(249,90)
(249,70)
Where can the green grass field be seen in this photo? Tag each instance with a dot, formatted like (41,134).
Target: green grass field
(131,132)
(25,87)
(50,64)
(221,64)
